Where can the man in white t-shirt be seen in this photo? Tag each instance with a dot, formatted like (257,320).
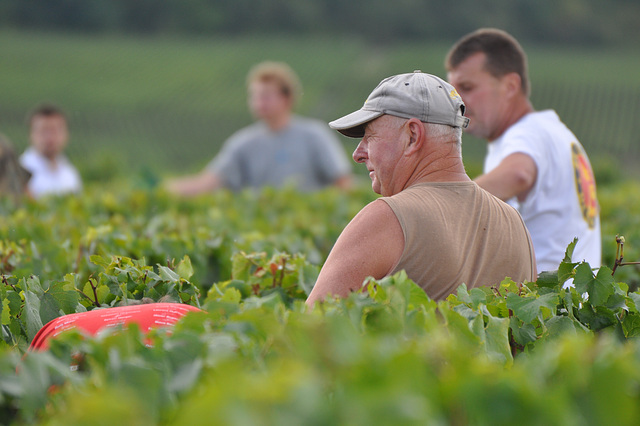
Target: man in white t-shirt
(51,171)
(534,161)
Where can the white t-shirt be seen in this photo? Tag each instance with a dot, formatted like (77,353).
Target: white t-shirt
(45,179)
(562,204)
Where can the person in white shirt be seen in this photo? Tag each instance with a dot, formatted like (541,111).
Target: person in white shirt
(534,162)
(52,173)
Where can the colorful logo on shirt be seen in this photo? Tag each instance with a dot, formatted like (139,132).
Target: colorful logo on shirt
(585,184)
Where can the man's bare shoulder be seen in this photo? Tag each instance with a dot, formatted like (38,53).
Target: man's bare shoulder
(375,237)
(369,246)
(376,215)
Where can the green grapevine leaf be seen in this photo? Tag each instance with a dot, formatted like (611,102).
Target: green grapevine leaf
(65,298)
(473,298)
(522,334)
(100,261)
(184,268)
(32,313)
(5,317)
(166,274)
(616,301)
(467,312)
(635,298)
(231,295)
(508,286)
(186,375)
(497,338)
(458,324)
(631,326)
(568,254)
(599,287)
(49,308)
(558,325)
(597,318)
(548,279)
(462,294)
(566,267)
(32,283)
(15,302)
(529,308)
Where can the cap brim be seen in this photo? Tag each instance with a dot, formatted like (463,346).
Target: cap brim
(352,125)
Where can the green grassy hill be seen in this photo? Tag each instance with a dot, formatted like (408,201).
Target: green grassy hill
(166,105)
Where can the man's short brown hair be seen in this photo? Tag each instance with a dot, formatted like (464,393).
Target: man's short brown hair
(504,54)
(279,73)
(45,110)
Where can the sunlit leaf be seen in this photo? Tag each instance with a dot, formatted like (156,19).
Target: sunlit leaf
(184,268)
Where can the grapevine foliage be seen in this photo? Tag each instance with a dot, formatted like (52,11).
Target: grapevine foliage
(562,350)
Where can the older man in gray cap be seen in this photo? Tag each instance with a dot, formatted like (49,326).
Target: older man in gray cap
(432,221)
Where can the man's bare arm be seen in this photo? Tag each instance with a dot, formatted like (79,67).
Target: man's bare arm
(370,245)
(203,182)
(514,177)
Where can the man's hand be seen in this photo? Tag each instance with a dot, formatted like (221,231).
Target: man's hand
(370,245)
(344,182)
(194,185)
(514,177)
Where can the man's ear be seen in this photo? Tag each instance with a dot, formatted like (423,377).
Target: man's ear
(512,84)
(416,134)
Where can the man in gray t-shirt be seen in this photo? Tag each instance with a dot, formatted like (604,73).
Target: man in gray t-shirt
(281,149)
(304,154)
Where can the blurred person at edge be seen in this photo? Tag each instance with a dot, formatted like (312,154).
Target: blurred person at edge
(432,220)
(14,178)
(280,149)
(51,172)
(533,161)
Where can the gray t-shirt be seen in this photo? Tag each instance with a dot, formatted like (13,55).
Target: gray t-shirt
(305,154)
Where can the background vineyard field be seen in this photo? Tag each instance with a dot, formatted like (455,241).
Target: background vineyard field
(163,105)
(150,106)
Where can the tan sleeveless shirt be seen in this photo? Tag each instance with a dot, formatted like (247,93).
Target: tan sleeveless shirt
(456,232)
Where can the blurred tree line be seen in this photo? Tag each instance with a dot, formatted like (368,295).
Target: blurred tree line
(543,21)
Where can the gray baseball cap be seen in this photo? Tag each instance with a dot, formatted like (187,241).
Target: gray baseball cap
(426,97)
